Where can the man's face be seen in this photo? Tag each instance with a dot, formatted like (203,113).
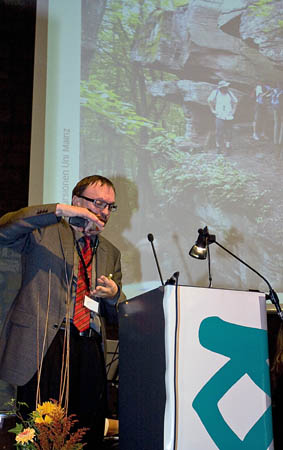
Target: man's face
(98,192)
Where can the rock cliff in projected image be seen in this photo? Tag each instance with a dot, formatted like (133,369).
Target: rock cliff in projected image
(210,40)
(205,41)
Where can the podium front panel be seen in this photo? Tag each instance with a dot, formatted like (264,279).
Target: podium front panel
(217,373)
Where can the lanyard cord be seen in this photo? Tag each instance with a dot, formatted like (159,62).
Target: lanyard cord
(85,266)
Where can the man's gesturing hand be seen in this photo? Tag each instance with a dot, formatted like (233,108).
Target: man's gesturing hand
(106,287)
(94,223)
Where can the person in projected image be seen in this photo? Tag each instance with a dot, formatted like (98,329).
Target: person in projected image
(64,263)
(262,92)
(277,109)
(223,104)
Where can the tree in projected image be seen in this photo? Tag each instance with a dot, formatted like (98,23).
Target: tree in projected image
(115,101)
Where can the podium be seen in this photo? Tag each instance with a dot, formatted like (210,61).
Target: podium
(193,370)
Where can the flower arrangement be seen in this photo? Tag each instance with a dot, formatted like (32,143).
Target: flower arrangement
(48,428)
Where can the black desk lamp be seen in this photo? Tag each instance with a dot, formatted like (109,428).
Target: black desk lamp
(200,251)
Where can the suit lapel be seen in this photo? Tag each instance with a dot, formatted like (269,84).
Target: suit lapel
(67,246)
(101,259)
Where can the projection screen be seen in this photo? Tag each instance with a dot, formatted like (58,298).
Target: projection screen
(179,104)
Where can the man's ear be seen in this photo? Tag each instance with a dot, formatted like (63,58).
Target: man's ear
(76,201)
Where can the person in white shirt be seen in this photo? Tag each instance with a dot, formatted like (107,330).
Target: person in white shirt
(223,104)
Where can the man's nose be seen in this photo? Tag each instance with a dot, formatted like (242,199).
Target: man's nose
(105,211)
(107,208)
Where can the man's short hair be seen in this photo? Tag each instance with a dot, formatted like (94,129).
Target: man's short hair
(87,181)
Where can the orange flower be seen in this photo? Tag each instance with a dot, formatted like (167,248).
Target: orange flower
(25,436)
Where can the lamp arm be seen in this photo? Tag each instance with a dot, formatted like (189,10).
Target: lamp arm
(272,294)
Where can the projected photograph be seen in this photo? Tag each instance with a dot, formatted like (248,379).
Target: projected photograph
(182,102)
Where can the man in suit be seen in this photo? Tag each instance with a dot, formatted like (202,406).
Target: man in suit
(47,312)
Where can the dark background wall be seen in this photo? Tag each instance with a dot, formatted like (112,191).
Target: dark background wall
(17,31)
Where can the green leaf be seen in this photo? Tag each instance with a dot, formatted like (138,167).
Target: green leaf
(17,429)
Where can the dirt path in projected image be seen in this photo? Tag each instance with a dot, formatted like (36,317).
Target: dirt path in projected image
(264,160)
(262,163)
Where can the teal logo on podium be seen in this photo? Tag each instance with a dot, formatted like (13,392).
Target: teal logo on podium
(241,345)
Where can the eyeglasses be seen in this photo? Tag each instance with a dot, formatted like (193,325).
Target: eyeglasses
(100,204)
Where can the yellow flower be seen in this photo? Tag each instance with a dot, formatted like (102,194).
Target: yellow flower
(44,413)
(43,419)
(46,408)
(25,436)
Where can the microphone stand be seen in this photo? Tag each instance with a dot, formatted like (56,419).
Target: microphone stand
(151,238)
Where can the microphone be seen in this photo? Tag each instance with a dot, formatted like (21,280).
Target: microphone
(151,239)
(174,279)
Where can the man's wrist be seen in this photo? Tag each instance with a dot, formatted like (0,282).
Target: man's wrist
(59,210)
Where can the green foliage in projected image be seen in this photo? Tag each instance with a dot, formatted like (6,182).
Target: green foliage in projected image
(219,180)
(121,115)
(264,8)
(261,7)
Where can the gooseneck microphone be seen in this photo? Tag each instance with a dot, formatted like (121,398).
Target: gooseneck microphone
(151,239)
(174,279)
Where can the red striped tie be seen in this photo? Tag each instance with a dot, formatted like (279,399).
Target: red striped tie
(81,313)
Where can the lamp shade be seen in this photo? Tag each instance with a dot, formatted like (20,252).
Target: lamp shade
(198,252)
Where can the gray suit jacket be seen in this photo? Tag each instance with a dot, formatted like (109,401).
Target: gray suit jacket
(46,245)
